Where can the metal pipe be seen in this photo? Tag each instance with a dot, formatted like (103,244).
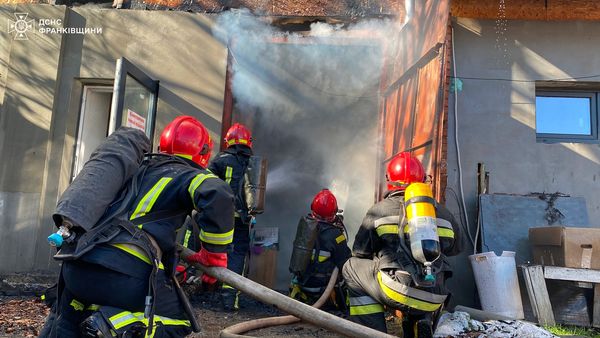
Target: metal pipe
(481,315)
(287,304)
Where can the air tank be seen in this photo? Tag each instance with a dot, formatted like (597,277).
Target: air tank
(422,228)
(306,237)
(256,178)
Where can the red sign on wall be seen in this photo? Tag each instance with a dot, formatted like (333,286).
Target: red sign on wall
(135,120)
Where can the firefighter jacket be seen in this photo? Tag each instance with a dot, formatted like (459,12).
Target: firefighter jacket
(379,234)
(331,250)
(171,190)
(231,165)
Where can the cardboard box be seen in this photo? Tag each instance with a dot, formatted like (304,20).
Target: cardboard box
(263,256)
(263,264)
(566,246)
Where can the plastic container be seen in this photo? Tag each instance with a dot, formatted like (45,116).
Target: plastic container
(497,283)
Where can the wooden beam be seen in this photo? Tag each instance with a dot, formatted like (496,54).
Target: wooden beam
(571,274)
(291,8)
(596,311)
(552,10)
(491,9)
(538,294)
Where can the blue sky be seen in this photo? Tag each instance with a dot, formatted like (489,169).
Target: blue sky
(563,115)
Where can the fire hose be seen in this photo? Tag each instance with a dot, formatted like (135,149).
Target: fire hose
(232,331)
(287,304)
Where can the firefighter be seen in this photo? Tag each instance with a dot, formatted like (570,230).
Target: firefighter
(231,166)
(124,287)
(383,272)
(330,250)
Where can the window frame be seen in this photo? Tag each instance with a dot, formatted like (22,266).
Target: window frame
(570,138)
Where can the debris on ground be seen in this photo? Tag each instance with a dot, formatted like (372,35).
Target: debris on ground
(460,324)
(21,284)
(213,319)
(22,316)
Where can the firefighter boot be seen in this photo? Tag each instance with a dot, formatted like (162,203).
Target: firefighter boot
(229,299)
(424,329)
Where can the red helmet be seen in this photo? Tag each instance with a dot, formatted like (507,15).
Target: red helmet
(238,134)
(403,170)
(187,137)
(324,205)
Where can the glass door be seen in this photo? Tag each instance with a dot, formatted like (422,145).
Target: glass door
(135,95)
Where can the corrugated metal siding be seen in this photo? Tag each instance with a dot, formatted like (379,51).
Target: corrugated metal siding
(412,108)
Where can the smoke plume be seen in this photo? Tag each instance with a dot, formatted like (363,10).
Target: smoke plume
(311,100)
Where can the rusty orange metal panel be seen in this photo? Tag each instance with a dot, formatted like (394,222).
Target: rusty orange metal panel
(405,121)
(398,120)
(391,113)
(423,31)
(426,107)
(425,154)
(413,74)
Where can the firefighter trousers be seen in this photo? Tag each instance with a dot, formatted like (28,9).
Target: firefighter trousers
(90,287)
(370,288)
(236,260)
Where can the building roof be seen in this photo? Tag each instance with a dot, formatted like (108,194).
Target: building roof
(272,8)
(551,10)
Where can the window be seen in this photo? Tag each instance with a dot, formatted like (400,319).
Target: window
(566,116)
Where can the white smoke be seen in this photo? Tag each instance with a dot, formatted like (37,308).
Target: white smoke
(312,101)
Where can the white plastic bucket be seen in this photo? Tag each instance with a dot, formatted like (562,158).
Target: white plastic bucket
(497,283)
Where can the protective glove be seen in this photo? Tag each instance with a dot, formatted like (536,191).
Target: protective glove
(181,274)
(208,258)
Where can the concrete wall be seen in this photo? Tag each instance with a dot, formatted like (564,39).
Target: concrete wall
(27,93)
(40,87)
(496,119)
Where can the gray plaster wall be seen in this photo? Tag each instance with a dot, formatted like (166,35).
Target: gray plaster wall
(27,88)
(496,118)
(41,80)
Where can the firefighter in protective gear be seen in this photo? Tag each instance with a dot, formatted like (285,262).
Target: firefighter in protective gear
(330,250)
(231,166)
(116,289)
(382,271)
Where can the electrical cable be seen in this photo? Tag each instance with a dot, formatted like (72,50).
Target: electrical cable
(478,227)
(460,180)
(460,208)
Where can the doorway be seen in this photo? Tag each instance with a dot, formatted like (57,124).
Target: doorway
(312,107)
(129,100)
(94,116)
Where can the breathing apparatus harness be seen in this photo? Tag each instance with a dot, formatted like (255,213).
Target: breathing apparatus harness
(115,227)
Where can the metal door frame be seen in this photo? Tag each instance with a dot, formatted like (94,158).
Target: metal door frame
(123,68)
